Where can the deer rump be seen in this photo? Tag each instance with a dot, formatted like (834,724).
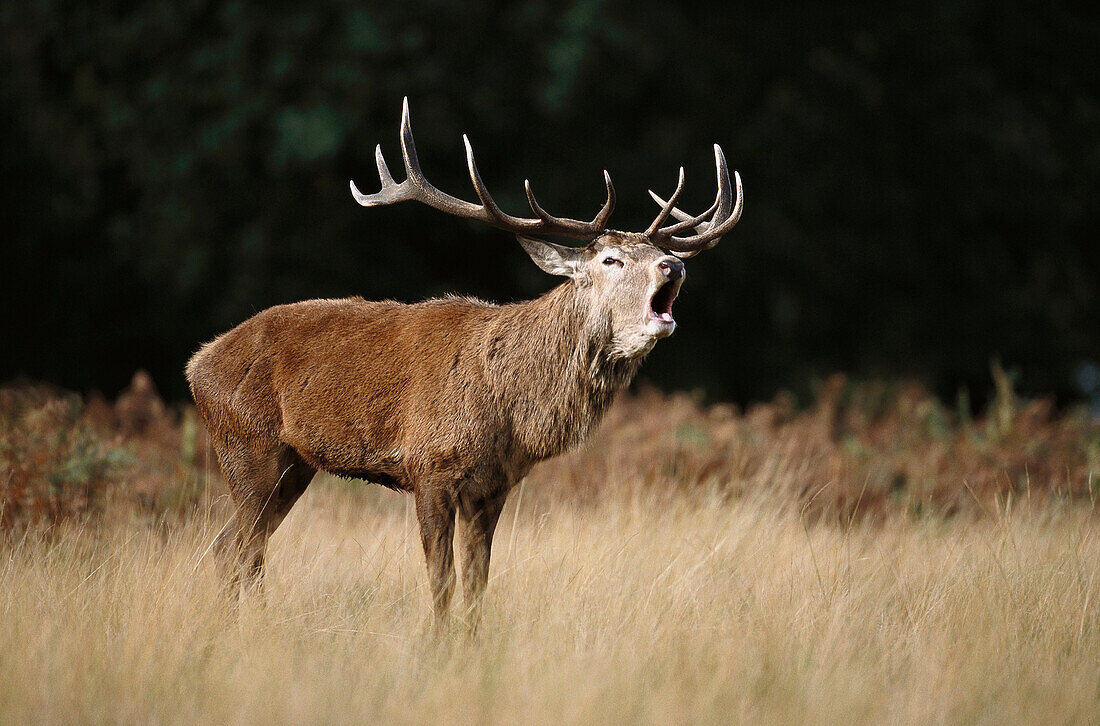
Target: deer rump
(334,380)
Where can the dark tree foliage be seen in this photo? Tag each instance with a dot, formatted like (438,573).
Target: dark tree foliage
(921,184)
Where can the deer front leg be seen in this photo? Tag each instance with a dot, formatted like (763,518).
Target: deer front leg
(479,521)
(435,510)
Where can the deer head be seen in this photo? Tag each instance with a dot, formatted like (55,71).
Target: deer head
(629,278)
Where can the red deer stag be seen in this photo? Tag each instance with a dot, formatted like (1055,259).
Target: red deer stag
(455,399)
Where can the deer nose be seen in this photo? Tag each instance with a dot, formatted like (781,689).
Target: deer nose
(671,268)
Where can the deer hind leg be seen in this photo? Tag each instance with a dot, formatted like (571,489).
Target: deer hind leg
(264,482)
(479,521)
(435,511)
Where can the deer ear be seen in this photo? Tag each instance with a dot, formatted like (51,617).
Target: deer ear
(552,258)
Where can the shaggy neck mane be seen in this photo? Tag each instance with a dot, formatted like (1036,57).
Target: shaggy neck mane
(558,349)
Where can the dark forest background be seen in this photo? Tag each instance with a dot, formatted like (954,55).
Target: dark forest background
(921,185)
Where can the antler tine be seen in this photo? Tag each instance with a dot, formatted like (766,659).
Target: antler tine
(427,193)
(686,220)
(408,146)
(667,209)
(390,192)
(383,170)
(600,221)
(535,206)
(497,216)
(415,185)
(715,231)
(709,233)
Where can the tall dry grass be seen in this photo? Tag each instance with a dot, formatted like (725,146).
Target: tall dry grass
(636,610)
(872,558)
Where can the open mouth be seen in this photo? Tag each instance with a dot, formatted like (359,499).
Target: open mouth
(660,305)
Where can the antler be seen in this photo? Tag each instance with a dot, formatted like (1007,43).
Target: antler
(709,226)
(416,187)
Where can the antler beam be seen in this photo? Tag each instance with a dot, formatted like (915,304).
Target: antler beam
(417,188)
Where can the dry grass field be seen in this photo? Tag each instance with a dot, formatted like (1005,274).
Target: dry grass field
(871,559)
(618,612)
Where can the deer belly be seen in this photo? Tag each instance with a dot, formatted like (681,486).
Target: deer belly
(352,449)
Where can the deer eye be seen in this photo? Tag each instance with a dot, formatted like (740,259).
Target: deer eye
(612,261)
